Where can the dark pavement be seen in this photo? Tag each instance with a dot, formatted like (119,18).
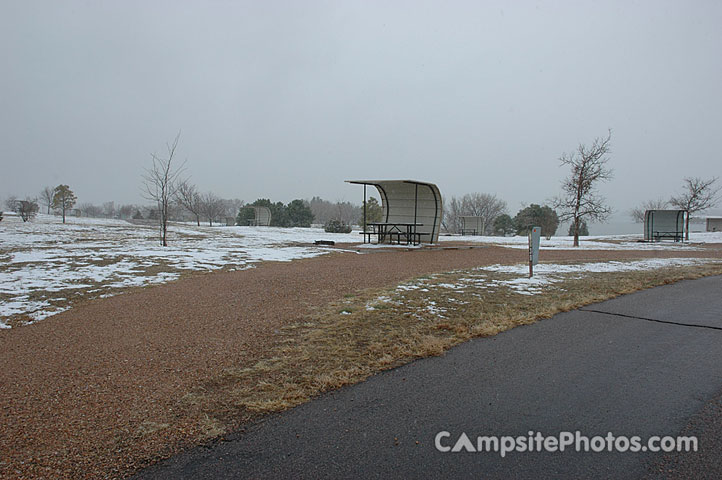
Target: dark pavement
(582,370)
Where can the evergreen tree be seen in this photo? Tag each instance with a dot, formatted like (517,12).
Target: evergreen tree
(279,216)
(374,212)
(337,226)
(246,216)
(504,225)
(299,214)
(537,215)
(63,199)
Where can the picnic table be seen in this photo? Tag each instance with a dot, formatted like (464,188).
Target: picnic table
(677,236)
(382,230)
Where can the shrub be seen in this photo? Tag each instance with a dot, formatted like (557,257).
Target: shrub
(337,226)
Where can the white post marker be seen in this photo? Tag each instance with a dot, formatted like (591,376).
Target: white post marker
(534,240)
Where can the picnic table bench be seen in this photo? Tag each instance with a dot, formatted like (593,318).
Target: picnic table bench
(401,230)
(677,236)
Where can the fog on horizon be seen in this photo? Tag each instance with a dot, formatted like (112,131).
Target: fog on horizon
(286,100)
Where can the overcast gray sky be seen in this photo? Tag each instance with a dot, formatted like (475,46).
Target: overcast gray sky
(287,99)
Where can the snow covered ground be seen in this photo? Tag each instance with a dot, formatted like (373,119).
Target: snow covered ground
(45,264)
(609,242)
(545,274)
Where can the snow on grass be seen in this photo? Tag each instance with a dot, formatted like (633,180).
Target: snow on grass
(607,242)
(545,274)
(45,263)
(550,273)
(547,269)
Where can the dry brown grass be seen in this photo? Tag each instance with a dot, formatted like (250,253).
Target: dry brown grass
(375,330)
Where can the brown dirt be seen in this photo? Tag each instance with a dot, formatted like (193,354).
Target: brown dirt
(90,392)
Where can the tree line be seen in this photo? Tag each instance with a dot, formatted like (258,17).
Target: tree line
(175,197)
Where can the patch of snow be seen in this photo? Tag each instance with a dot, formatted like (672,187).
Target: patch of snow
(595,242)
(432,308)
(452,286)
(44,257)
(549,273)
(545,274)
(407,287)
(594,267)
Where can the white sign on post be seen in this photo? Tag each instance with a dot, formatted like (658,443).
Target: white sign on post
(534,240)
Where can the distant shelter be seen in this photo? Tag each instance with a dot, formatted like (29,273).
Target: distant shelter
(262,217)
(714,224)
(472,225)
(664,224)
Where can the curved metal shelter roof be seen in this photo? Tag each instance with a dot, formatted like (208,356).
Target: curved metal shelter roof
(263,216)
(663,224)
(407,201)
(471,224)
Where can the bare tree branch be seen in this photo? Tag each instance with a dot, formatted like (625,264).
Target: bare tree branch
(698,195)
(212,207)
(483,205)
(579,200)
(160,185)
(187,196)
(637,213)
(27,208)
(46,197)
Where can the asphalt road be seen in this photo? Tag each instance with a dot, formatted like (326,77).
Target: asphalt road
(596,370)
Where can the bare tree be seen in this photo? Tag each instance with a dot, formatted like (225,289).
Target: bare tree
(109,209)
(579,200)
(231,207)
(212,207)
(90,210)
(324,211)
(27,208)
(637,213)
(46,197)
(188,197)
(10,202)
(160,184)
(698,195)
(483,205)
(346,212)
(63,199)
(126,211)
(450,219)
